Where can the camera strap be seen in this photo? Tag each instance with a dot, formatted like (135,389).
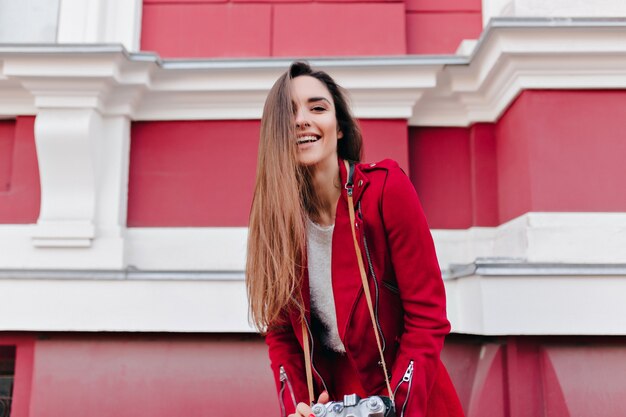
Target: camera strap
(366,289)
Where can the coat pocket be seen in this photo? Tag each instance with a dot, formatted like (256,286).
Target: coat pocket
(403,390)
(286,392)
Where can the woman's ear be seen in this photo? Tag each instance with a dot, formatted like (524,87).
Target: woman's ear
(339,134)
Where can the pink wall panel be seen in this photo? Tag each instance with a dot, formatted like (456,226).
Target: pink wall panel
(578,149)
(338,29)
(7,142)
(24,363)
(441,172)
(484,175)
(20,192)
(514,181)
(192,173)
(157,376)
(569,158)
(592,379)
(206,30)
(201,173)
(98,374)
(386,139)
(440,32)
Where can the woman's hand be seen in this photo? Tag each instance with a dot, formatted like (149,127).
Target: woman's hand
(304,410)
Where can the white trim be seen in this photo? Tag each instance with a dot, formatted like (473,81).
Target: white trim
(532,305)
(100,21)
(484,305)
(492,9)
(512,55)
(208,294)
(188,249)
(569,8)
(118,305)
(533,237)
(539,237)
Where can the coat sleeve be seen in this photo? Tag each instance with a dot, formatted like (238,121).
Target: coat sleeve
(285,351)
(421,291)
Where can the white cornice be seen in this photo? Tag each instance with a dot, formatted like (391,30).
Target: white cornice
(448,90)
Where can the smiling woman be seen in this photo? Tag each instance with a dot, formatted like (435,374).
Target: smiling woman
(317,214)
(316,125)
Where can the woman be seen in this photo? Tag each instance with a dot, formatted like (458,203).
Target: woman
(304,283)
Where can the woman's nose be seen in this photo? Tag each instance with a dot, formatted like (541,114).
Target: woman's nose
(301,120)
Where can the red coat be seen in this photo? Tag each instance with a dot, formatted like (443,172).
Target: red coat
(411,301)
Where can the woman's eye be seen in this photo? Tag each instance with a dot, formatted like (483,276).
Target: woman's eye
(319,108)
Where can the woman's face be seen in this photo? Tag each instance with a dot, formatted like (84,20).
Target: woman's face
(317,131)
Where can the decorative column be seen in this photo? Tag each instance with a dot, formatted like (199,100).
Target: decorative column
(67,141)
(83,106)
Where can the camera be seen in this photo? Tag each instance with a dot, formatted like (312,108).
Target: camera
(353,406)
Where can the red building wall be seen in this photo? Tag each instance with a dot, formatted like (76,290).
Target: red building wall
(19,172)
(550,151)
(305,28)
(562,151)
(202,173)
(93,375)
(438,26)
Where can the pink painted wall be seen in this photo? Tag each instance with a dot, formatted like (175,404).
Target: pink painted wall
(24,364)
(266,28)
(202,173)
(551,151)
(192,173)
(273,28)
(440,170)
(386,139)
(20,192)
(562,151)
(93,375)
(538,376)
(122,375)
(439,26)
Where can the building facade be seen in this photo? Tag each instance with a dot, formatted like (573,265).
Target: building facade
(128,138)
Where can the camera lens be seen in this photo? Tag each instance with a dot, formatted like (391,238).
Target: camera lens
(319,410)
(373,404)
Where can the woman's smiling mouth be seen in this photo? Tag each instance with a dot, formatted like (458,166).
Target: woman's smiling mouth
(307,139)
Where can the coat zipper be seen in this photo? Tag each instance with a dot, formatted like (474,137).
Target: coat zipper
(285,383)
(407,377)
(371,268)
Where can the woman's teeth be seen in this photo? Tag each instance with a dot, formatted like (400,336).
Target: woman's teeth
(307,139)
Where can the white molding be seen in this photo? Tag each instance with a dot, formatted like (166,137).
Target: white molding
(496,8)
(124,306)
(28,21)
(207,294)
(65,142)
(18,252)
(569,8)
(483,305)
(187,248)
(533,237)
(511,55)
(539,237)
(537,305)
(100,21)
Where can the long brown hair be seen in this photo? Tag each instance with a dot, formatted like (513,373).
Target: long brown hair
(283,197)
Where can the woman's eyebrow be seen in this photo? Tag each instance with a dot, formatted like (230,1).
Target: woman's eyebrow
(314,99)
